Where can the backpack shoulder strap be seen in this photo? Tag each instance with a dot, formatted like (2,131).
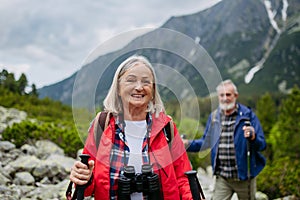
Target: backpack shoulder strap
(214,115)
(169,132)
(102,121)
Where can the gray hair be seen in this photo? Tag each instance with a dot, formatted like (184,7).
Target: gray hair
(227,82)
(113,103)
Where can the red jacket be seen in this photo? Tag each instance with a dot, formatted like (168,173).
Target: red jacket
(173,160)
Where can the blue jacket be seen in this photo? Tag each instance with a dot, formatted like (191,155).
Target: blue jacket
(211,137)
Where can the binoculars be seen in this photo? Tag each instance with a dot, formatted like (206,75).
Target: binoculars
(146,182)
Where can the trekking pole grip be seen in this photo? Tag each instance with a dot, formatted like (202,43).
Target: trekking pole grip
(195,186)
(84,159)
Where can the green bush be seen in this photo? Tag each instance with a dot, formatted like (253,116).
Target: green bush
(27,132)
(281,175)
(280,178)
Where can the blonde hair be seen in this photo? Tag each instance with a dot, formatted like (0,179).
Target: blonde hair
(113,103)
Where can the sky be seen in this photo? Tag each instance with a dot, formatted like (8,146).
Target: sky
(49,40)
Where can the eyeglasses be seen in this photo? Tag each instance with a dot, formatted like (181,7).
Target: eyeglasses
(134,81)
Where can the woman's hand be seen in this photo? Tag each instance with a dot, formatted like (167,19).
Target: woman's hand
(81,173)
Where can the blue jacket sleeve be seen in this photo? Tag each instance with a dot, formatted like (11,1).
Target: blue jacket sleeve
(197,144)
(259,143)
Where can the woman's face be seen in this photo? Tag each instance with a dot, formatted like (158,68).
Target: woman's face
(136,87)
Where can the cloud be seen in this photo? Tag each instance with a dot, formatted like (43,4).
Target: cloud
(59,35)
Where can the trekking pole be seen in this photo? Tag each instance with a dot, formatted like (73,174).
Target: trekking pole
(80,194)
(195,186)
(248,123)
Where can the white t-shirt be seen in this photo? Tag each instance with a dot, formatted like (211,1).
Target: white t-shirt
(135,132)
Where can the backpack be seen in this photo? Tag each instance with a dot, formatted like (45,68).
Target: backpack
(103,119)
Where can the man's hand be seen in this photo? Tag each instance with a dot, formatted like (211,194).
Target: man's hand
(185,142)
(249,132)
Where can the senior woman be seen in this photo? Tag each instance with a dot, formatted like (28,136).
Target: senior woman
(134,136)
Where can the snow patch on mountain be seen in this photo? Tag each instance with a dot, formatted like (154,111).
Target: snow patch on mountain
(284,10)
(271,14)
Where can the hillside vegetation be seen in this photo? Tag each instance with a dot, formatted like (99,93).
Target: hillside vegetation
(279,116)
(47,119)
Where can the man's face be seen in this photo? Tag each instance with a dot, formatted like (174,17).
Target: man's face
(227,97)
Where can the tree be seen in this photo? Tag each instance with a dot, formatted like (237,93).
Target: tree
(284,136)
(10,82)
(281,175)
(22,84)
(266,113)
(34,90)
(3,76)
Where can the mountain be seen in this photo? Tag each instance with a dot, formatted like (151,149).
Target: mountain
(254,43)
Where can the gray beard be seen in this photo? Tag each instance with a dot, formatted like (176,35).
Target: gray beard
(224,106)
